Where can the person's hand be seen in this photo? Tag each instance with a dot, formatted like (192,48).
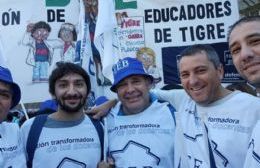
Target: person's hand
(102,110)
(109,164)
(29,27)
(97,112)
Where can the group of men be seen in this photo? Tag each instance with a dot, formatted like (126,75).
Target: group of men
(204,126)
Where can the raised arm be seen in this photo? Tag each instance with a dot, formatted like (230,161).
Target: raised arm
(100,111)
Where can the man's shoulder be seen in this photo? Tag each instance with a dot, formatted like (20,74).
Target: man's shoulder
(175,96)
(247,98)
(115,110)
(27,124)
(10,126)
(240,100)
(161,104)
(169,93)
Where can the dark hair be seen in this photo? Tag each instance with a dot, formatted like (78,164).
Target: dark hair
(69,26)
(198,48)
(64,68)
(242,20)
(39,25)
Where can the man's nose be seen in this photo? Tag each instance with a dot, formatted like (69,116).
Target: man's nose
(193,79)
(246,53)
(71,89)
(130,87)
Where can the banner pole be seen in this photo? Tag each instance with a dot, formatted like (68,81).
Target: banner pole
(24,110)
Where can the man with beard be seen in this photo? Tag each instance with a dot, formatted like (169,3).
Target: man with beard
(68,137)
(244,45)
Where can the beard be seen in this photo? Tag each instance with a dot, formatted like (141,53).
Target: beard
(67,108)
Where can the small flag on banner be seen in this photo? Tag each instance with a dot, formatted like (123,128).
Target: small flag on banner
(104,36)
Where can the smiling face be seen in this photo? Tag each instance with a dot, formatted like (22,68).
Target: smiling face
(200,79)
(244,45)
(133,92)
(71,93)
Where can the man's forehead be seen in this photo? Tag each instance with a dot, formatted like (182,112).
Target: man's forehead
(196,56)
(5,86)
(245,29)
(133,77)
(252,23)
(71,77)
(194,61)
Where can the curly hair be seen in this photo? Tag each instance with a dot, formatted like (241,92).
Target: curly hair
(64,68)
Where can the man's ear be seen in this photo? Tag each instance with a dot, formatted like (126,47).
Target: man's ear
(53,97)
(220,70)
(150,83)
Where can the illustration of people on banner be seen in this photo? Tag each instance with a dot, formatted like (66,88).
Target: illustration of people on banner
(147,56)
(41,49)
(40,53)
(68,35)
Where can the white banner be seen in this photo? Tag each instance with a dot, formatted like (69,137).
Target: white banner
(156,31)
(34,33)
(153,31)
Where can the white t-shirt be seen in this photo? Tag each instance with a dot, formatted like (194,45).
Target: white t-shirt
(145,139)
(65,144)
(11,150)
(229,122)
(253,153)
